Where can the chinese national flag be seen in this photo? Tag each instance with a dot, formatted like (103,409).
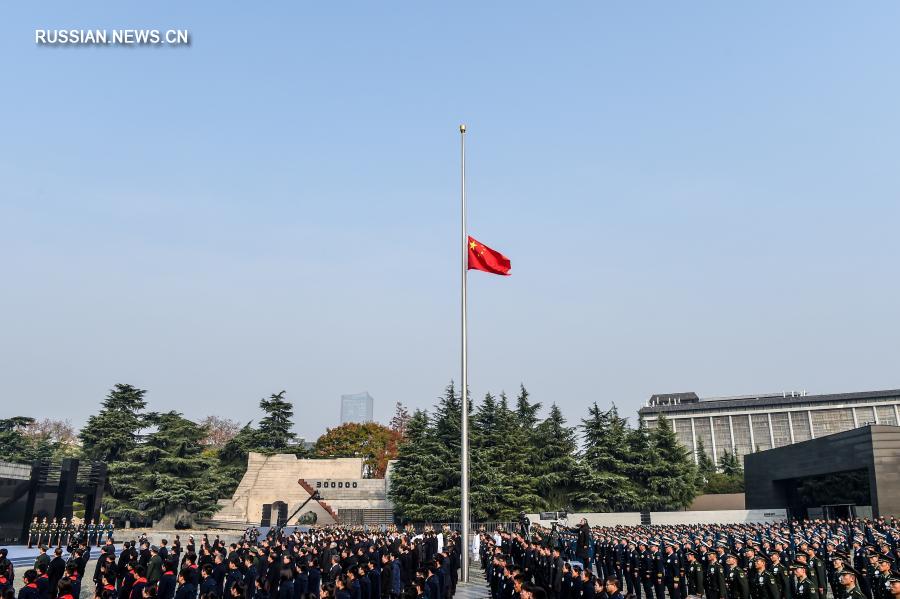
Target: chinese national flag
(481,257)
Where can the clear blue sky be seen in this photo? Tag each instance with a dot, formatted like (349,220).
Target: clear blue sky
(695,196)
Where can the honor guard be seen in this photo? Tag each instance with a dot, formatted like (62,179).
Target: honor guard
(91,533)
(801,586)
(33,532)
(762,582)
(782,576)
(850,589)
(716,587)
(694,575)
(52,532)
(736,579)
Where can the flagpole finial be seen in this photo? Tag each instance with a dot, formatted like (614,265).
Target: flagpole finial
(462,128)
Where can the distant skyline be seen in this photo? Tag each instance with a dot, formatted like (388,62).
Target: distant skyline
(694,197)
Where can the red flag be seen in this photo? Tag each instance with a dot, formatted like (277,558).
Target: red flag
(481,257)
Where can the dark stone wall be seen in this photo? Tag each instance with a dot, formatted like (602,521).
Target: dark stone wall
(769,476)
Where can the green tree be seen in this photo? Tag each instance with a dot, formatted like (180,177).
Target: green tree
(115,430)
(15,445)
(641,466)
(375,443)
(556,451)
(167,475)
(274,433)
(730,464)
(673,477)
(603,479)
(705,466)
(414,489)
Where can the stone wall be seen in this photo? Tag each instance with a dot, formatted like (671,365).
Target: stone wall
(273,478)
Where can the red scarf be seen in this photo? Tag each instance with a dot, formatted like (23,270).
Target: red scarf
(66,597)
(31,585)
(168,573)
(141,580)
(109,587)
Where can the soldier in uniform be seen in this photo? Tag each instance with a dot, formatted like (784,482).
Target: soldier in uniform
(110,529)
(736,579)
(43,529)
(837,569)
(33,532)
(52,533)
(782,576)
(850,590)
(63,532)
(694,575)
(801,586)
(91,530)
(714,581)
(762,582)
(672,569)
(656,569)
(816,571)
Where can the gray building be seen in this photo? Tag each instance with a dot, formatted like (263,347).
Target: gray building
(357,407)
(855,472)
(747,424)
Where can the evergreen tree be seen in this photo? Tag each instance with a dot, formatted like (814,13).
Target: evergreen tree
(555,458)
(274,434)
(17,446)
(705,466)
(166,475)
(115,430)
(641,465)
(512,459)
(673,478)
(526,411)
(604,477)
(447,437)
(730,464)
(485,479)
(414,489)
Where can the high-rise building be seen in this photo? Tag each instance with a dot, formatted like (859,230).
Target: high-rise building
(357,407)
(745,424)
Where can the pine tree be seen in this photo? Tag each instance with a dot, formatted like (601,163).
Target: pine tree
(705,465)
(642,463)
(605,484)
(556,449)
(674,479)
(511,456)
(526,411)
(485,479)
(274,433)
(447,437)
(115,430)
(414,489)
(730,464)
(166,475)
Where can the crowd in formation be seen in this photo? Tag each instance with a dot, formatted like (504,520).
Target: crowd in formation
(789,560)
(796,560)
(329,563)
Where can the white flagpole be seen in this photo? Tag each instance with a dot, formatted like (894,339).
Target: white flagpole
(464,458)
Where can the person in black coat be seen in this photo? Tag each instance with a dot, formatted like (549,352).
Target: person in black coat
(250,576)
(286,586)
(208,585)
(186,589)
(167,581)
(55,571)
(30,590)
(313,587)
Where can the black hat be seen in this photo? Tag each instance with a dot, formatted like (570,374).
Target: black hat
(800,565)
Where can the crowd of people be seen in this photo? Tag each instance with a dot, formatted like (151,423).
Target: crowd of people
(326,563)
(787,560)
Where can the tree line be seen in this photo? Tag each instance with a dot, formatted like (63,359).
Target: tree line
(164,465)
(520,462)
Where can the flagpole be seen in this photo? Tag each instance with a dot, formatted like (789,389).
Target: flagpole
(464,457)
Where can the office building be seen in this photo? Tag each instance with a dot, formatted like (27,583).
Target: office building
(356,407)
(747,424)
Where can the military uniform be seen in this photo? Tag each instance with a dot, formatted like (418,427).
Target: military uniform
(763,585)
(694,578)
(736,582)
(716,586)
(803,589)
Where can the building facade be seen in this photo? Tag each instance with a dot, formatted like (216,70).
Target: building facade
(357,407)
(276,486)
(747,424)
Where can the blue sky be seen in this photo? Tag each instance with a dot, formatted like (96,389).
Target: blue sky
(695,196)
